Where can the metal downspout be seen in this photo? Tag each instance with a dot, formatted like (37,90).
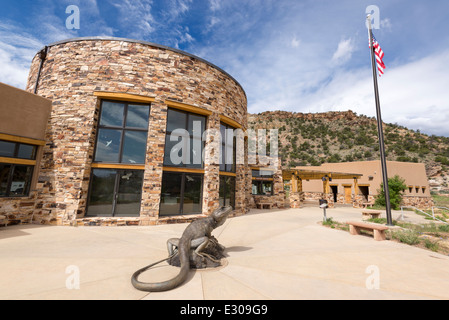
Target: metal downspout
(42,56)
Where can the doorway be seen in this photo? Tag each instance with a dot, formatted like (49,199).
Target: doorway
(115,193)
(335,193)
(348,194)
(365,192)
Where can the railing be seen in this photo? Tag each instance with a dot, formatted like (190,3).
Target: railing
(427,214)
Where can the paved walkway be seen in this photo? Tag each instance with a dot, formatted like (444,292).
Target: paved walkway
(272,254)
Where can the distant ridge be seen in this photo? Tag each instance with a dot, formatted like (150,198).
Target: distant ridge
(343,136)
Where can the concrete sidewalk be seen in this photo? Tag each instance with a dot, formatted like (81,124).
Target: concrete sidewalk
(272,254)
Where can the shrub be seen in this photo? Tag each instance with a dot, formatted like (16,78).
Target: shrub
(396,186)
(431,245)
(407,236)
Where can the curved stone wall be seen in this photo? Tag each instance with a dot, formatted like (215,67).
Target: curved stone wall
(78,73)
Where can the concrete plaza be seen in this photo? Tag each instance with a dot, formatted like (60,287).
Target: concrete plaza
(271,254)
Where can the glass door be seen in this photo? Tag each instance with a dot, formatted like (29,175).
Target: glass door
(115,193)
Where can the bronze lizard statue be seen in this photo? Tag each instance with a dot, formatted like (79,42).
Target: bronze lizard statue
(197,235)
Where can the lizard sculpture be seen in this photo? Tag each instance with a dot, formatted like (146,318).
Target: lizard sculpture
(196,236)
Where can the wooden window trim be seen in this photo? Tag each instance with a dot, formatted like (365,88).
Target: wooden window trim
(18,161)
(11,138)
(98,165)
(187,107)
(123,129)
(230,122)
(183,170)
(229,174)
(104,95)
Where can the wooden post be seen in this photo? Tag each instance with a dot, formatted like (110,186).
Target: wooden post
(356,186)
(294,183)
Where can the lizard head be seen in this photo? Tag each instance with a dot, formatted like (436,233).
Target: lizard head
(220,215)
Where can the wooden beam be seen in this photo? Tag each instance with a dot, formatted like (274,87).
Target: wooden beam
(187,107)
(124,97)
(230,174)
(118,166)
(9,137)
(187,170)
(18,161)
(230,122)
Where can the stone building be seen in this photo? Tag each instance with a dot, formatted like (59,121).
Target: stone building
(23,122)
(129,123)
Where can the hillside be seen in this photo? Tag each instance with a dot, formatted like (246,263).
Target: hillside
(315,138)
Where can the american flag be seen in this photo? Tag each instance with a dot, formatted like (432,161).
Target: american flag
(379,56)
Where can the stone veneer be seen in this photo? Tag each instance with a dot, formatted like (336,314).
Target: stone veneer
(74,70)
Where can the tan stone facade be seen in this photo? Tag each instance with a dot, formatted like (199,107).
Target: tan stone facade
(77,75)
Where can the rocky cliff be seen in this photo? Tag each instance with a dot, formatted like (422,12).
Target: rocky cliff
(315,138)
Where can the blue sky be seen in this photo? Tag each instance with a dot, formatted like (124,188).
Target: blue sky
(293,55)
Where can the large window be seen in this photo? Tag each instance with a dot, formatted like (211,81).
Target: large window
(122,133)
(117,174)
(262,187)
(17,161)
(262,182)
(228,148)
(182,180)
(181,193)
(183,141)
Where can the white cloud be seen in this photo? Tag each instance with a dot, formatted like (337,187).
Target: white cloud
(385,24)
(295,42)
(214,5)
(136,15)
(344,51)
(413,95)
(17,49)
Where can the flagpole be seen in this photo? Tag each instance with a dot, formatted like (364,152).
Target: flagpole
(379,127)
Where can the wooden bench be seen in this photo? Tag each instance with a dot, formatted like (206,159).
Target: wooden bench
(370,214)
(379,230)
(261,205)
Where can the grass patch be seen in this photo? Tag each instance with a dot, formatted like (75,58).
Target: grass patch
(330,223)
(408,236)
(431,245)
(440,200)
(429,236)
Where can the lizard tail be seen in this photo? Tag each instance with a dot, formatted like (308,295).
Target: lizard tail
(169,284)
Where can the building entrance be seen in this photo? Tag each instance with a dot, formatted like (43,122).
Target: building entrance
(115,193)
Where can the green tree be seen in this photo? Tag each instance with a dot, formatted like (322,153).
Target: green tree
(396,186)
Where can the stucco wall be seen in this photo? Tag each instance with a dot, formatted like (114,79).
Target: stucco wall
(23,114)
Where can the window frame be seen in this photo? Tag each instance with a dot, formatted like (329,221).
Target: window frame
(15,160)
(115,192)
(226,192)
(191,138)
(123,130)
(259,184)
(223,147)
(182,193)
(258,180)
